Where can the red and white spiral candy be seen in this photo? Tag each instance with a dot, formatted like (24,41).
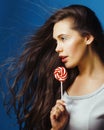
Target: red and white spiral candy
(60,74)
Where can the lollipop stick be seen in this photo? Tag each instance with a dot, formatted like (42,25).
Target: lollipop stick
(61,89)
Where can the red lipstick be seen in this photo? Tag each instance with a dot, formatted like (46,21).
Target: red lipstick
(63,59)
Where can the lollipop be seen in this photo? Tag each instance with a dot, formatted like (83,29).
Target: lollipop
(61,75)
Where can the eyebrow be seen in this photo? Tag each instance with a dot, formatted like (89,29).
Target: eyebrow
(60,36)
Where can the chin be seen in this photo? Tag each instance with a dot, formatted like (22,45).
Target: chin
(69,66)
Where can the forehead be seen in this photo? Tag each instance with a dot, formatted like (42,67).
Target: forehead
(63,27)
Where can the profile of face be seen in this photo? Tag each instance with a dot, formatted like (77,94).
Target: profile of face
(71,46)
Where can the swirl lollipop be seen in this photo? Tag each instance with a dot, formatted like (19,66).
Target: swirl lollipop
(61,75)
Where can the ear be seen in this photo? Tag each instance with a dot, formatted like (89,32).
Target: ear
(89,39)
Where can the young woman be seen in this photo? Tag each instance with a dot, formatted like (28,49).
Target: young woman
(73,38)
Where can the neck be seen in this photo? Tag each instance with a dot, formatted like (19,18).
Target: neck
(91,65)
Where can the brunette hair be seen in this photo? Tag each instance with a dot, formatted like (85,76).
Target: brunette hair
(33,87)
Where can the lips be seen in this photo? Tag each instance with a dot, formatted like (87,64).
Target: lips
(63,58)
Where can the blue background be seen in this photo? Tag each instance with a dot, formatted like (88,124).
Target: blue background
(18,20)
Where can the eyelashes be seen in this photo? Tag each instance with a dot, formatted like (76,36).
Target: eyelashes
(63,38)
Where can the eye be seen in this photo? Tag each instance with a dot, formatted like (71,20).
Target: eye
(63,38)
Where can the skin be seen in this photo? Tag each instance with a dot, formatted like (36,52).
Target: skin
(59,116)
(70,44)
(75,50)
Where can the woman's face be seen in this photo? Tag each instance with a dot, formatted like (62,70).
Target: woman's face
(71,46)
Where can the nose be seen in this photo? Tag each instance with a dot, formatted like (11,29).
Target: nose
(59,48)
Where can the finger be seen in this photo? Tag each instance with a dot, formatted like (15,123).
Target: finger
(61,102)
(58,107)
(61,108)
(56,112)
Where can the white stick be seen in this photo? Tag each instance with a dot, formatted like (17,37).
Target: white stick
(61,89)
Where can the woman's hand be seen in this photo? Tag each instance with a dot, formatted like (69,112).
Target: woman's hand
(59,116)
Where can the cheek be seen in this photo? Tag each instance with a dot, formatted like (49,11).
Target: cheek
(76,54)
(71,51)
(72,47)
(76,48)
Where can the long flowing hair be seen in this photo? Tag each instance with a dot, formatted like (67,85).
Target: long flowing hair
(32,85)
